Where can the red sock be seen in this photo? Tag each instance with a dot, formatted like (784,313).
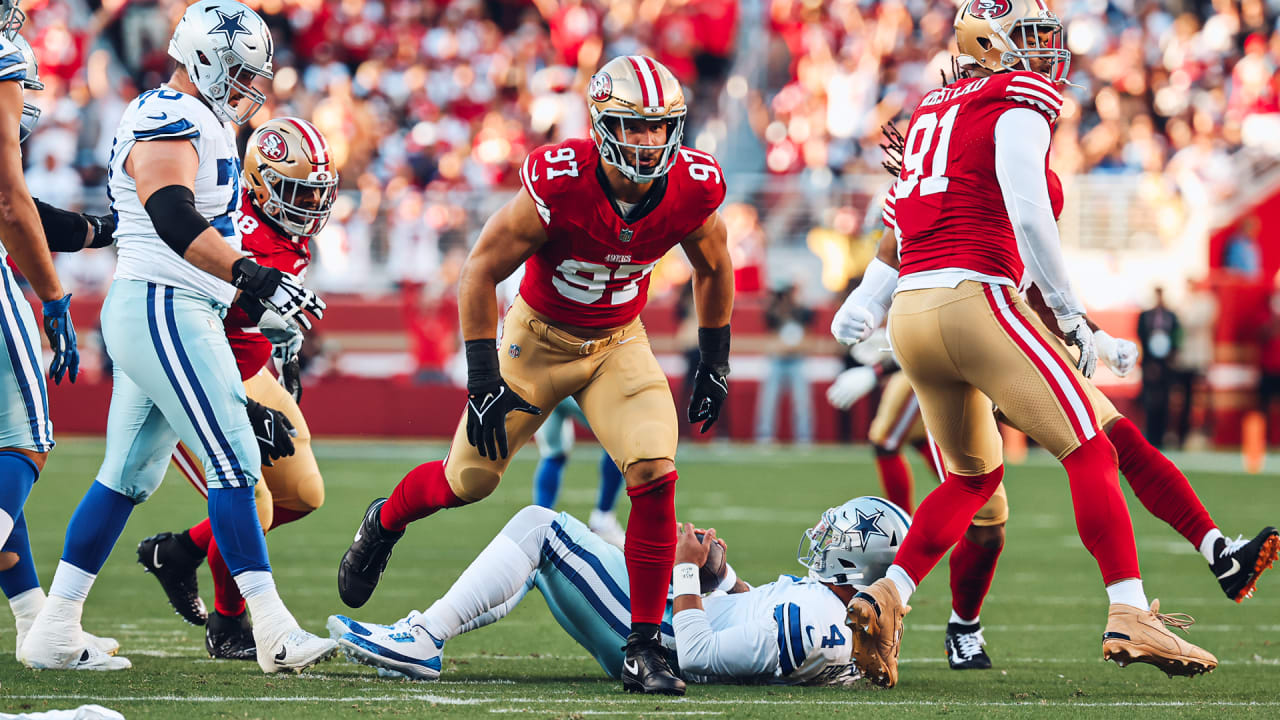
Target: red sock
(226,594)
(1159,484)
(1102,518)
(895,476)
(926,450)
(422,492)
(284,516)
(650,548)
(942,518)
(201,534)
(972,567)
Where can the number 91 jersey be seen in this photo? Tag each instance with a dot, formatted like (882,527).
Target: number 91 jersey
(947,208)
(593,271)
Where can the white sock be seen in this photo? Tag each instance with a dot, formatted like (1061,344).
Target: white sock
(961,621)
(599,517)
(1207,542)
(265,606)
(71,582)
(903,581)
(497,574)
(27,604)
(1128,592)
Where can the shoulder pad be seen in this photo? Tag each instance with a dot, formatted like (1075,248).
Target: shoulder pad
(1034,90)
(166,115)
(699,178)
(13,66)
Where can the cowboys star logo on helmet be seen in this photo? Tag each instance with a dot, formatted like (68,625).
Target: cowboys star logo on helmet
(229,25)
(854,543)
(224,47)
(868,526)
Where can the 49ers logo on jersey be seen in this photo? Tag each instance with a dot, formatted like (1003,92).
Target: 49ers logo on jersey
(601,87)
(272,146)
(990,8)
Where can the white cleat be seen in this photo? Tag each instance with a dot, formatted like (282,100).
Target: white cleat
(405,649)
(605,524)
(27,606)
(54,641)
(293,649)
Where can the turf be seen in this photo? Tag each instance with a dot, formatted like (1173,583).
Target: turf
(1043,619)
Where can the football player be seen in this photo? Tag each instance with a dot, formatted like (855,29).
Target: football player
(26,432)
(591,220)
(555,440)
(290,186)
(174,185)
(971,214)
(789,632)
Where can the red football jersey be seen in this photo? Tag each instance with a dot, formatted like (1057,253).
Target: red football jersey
(593,271)
(267,246)
(947,206)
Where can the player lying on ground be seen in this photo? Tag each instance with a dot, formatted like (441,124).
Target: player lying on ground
(971,214)
(555,441)
(290,186)
(592,219)
(790,631)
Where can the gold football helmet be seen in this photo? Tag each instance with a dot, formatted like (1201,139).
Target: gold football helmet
(290,172)
(628,91)
(1013,35)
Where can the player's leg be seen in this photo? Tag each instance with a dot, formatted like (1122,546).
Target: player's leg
(172,559)
(629,405)
(973,565)
(464,476)
(555,440)
(603,521)
(229,633)
(895,417)
(489,588)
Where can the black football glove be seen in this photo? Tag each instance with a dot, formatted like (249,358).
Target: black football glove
(291,376)
(489,399)
(273,430)
(277,290)
(711,379)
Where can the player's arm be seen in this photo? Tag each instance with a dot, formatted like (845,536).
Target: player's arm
(708,251)
(165,173)
(69,232)
(868,304)
(1021,147)
(510,237)
(20,229)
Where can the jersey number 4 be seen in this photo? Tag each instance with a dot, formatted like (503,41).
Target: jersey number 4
(834,639)
(920,142)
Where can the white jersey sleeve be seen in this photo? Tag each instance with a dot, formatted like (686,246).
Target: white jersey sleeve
(13,66)
(165,114)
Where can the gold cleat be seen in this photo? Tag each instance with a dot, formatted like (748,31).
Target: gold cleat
(875,615)
(1136,635)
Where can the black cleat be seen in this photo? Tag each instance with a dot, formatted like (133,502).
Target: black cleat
(1239,563)
(230,638)
(173,559)
(362,565)
(645,668)
(964,645)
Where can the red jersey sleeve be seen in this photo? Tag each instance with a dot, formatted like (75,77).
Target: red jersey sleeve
(697,179)
(544,166)
(1034,91)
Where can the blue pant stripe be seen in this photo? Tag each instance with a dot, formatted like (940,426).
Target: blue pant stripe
(588,592)
(154,326)
(784,656)
(37,408)
(238,478)
(618,594)
(797,634)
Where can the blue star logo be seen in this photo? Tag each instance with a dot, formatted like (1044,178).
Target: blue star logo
(230,26)
(867,527)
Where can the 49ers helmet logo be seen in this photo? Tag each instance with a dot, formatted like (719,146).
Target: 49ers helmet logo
(990,9)
(601,88)
(272,146)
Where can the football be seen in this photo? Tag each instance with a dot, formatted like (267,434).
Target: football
(713,571)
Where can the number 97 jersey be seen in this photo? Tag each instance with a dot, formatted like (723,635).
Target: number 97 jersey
(593,271)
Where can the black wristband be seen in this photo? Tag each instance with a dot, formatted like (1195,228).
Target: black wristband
(252,307)
(713,344)
(482,363)
(104,230)
(64,230)
(254,280)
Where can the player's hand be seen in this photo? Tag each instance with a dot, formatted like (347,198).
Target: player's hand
(1117,354)
(273,430)
(277,290)
(850,387)
(690,548)
(1077,332)
(284,335)
(291,375)
(710,390)
(853,323)
(62,338)
(487,409)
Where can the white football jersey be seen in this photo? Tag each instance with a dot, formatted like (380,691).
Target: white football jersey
(13,67)
(166,114)
(788,632)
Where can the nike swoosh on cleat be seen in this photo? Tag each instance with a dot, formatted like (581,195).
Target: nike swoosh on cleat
(632,667)
(155,557)
(1235,567)
(280,656)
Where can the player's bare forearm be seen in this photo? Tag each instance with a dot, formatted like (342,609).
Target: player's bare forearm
(510,236)
(708,251)
(887,251)
(211,253)
(20,228)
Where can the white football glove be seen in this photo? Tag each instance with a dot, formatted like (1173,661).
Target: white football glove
(851,386)
(853,323)
(1117,354)
(284,335)
(1077,332)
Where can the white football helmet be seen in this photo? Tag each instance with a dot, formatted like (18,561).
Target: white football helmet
(11,18)
(224,46)
(30,113)
(854,544)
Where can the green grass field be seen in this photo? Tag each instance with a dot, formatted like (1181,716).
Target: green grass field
(1043,620)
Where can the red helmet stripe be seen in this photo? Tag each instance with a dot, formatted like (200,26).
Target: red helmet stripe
(315,142)
(647,90)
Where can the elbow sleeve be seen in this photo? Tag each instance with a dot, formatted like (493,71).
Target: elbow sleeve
(173,214)
(63,230)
